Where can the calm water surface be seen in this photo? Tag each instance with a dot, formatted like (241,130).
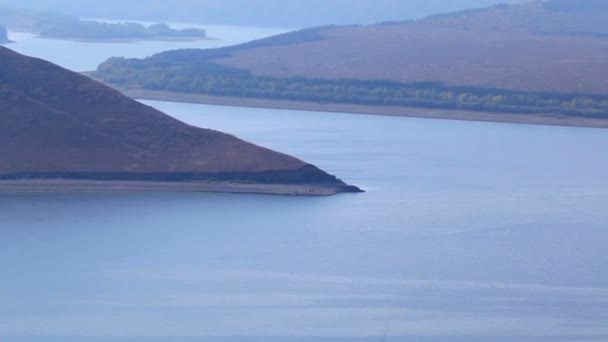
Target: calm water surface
(468,232)
(87,56)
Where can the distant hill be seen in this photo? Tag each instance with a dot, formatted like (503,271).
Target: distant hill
(583,6)
(556,17)
(60,125)
(535,57)
(278,13)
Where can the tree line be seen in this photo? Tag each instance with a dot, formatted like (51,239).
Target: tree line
(206,77)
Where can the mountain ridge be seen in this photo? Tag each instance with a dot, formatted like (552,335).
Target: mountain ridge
(554,17)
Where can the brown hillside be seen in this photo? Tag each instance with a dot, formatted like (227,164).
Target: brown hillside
(533,47)
(54,121)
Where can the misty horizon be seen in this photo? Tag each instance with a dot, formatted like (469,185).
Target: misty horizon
(294,13)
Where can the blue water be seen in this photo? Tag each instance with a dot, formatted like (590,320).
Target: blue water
(87,56)
(467,232)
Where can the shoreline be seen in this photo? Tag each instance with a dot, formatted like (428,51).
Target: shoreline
(412,112)
(127,40)
(87,186)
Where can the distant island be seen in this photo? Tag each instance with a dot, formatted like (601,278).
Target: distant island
(61,131)
(87,30)
(4,35)
(544,61)
(55,26)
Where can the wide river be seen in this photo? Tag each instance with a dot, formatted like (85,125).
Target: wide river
(467,232)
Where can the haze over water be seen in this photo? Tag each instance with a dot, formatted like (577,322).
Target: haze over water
(467,231)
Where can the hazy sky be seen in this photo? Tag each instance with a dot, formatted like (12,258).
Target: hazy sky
(284,13)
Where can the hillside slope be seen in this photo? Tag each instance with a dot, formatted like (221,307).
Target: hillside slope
(58,124)
(532,58)
(530,47)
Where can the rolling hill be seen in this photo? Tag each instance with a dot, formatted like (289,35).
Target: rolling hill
(534,58)
(532,47)
(56,124)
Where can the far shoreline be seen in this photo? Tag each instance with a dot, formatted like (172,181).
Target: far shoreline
(127,40)
(412,112)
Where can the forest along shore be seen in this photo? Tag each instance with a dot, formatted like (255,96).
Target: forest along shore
(414,112)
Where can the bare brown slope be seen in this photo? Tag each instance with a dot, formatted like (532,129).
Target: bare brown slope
(54,121)
(522,47)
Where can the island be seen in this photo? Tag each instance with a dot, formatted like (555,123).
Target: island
(4,35)
(62,131)
(94,31)
(534,62)
(62,27)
